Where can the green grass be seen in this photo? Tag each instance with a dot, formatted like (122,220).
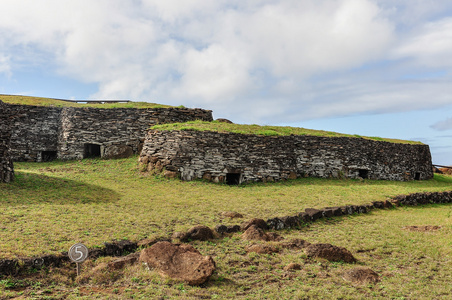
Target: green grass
(216,126)
(39,101)
(52,205)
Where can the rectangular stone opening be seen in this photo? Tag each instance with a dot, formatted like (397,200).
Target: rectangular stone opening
(233,178)
(363,173)
(417,176)
(91,150)
(48,155)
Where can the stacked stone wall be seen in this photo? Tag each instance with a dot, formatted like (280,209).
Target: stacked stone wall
(34,131)
(117,131)
(6,164)
(43,133)
(215,156)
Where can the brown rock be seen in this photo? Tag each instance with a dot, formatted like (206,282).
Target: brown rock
(256,233)
(198,233)
(361,275)
(329,252)
(180,262)
(231,214)
(262,249)
(292,267)
(149,242)
(257,222)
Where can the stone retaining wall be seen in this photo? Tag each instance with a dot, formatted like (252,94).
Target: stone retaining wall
(236,158)
(45,133)
(119,132)
(6,164)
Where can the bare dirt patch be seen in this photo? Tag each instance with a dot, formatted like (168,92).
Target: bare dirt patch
(423,228)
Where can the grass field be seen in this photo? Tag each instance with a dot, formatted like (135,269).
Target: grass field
(52,205)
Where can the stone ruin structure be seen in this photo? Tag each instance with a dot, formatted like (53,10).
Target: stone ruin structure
(235,158)
(45,133)
(6,164)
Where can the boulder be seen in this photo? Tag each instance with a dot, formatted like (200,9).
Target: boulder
(257,222)
(261,249)
(330,253)
(197,233)
(313,213)
(254,233)
(180,262)
(222,120)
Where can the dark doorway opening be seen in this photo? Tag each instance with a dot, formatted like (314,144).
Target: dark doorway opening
(91,150)
(48,155)
(417,176)
(364,174)
(233,178)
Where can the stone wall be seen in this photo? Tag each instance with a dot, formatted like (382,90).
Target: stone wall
(34,132)
(6,164)
(45,133)
(117,132)
(235,158)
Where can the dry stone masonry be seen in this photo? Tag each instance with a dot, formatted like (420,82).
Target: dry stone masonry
(235,158)
(6,164)
(45,133)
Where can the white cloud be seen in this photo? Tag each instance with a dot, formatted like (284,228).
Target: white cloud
(431,46)
(443,125)
(235,56)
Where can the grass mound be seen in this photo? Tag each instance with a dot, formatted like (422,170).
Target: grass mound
(222,127)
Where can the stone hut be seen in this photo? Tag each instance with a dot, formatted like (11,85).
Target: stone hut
(235,158)
(45,133)
(6,164)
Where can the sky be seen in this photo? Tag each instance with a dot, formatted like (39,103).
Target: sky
(367,67)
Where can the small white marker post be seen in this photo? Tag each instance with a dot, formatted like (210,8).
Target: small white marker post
(78,253)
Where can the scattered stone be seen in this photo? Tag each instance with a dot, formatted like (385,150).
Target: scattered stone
(422,228)
(329,252)
(197,233)
(257,222)
(221,229)
(313,213)
(231,214)
(295,244)
(276,224)
(261,249)
(233,228)
(256,233)
(361,275)
(292,267)
(180,262)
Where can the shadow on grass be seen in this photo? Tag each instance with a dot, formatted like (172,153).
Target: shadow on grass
(29,188)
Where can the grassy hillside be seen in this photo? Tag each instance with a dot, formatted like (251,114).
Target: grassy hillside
(38,101)
(52,205)
(263,130)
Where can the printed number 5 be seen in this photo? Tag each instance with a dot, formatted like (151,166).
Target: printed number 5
(79,252)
